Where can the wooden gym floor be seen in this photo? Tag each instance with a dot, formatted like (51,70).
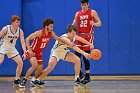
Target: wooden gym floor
(64,84)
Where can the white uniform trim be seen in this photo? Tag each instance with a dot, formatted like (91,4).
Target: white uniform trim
(8,43)
(59,51)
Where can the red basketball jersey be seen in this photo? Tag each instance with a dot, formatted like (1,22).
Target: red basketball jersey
(41,42)
(84,21)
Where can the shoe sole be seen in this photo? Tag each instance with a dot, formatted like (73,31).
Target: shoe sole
(21,86)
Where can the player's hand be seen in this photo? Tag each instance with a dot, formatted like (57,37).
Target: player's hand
(92,23)
(24,56)
(91,47)
(87,56)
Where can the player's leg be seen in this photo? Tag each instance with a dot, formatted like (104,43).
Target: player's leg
(52,63)
(2,53)
(38,70)
(37,74)
(40,65)
(70,57)
(86,48)
(79,44)
(81,75)
(18,60)
(1,58)
(34,65)
(87,68)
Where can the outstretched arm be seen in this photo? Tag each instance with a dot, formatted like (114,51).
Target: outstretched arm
(59,39)
(84,41)
(74,47)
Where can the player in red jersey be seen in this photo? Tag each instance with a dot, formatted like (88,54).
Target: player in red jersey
(86,19)
(40,39)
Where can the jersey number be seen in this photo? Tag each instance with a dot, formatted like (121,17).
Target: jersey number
(43,45)
(83,23)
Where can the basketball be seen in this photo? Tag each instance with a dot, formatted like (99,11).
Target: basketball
(96,54)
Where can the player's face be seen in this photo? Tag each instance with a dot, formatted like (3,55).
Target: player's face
(72,34)
(84,6)
(16,23)
(49,28)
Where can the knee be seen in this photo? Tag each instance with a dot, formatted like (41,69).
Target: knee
(1,62)
(34,66)
(20,63)
(39,67)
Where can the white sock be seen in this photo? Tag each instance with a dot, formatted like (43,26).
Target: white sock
(33,79)
(76,76)
(16,78)
(38,79)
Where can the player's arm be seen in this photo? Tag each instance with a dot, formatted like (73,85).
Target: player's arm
(3,31)
(75,19)
(22,40)
(84,41)
(58,38)
(31,37)
(74,47)
(95,16)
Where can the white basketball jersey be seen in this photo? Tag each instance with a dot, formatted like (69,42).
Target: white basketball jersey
(9,40)
(58,46)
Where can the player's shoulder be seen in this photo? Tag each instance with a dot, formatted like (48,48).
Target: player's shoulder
(94,11)
(38,33)
(5,27)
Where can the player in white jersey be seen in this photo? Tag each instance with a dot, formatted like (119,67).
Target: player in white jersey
(9,35)
(61,51)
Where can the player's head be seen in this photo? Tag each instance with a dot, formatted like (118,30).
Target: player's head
(15,20)
(84,4)
(84,1)
(71,30)
(48,24)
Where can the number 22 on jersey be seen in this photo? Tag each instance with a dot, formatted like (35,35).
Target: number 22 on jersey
(83,23)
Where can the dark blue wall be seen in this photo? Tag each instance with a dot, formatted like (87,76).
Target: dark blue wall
(117,38)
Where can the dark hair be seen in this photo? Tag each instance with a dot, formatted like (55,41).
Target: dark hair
(14,18)
(47,22)
(84,1)
(70,28)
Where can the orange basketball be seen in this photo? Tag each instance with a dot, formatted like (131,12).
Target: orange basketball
(96,54)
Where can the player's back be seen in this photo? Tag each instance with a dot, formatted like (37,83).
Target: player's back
(59,46)
(40,43)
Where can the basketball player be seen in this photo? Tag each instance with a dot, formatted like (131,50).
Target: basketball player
(40,39)
(10,34)
(61,51)
(86,19)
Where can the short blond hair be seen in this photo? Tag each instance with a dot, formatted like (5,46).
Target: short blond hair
(14,18)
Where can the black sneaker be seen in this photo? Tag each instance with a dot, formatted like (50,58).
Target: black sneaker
(32,83)
(40,83)
(22,83)
(81,75)
(85,81)
(77,81)
(16,81)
